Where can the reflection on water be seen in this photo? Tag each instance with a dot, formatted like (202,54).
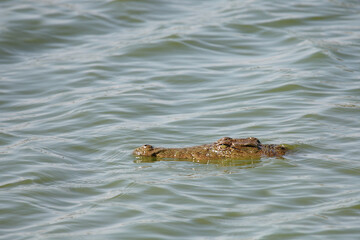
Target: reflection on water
(250,163)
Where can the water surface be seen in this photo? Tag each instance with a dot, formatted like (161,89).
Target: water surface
(83,83)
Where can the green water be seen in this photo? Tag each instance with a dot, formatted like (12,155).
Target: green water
(83,83)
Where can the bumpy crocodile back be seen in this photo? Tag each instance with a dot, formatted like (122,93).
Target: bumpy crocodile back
(273,150)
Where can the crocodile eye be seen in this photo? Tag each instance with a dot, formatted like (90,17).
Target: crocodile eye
(224,140)
(252,139)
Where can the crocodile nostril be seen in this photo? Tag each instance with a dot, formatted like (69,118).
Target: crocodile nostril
(147,147)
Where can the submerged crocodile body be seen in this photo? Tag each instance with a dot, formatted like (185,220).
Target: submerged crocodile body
(224,148)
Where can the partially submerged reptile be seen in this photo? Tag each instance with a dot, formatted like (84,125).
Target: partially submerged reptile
(224,148)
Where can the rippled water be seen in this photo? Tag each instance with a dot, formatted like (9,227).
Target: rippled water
(83,83)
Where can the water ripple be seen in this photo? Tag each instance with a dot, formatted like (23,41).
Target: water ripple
(84,83)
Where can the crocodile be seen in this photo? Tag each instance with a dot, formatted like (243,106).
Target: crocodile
(224,148)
